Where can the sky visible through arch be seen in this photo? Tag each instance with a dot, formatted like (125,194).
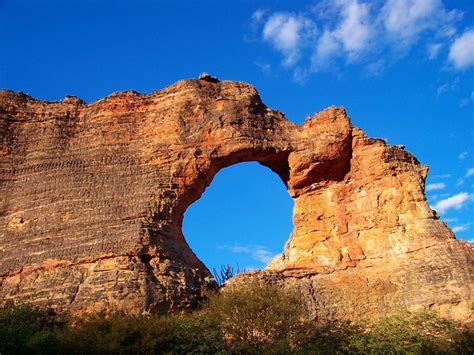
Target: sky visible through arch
(404,70)
(243,218)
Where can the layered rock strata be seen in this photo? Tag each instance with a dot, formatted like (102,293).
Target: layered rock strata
(93,196)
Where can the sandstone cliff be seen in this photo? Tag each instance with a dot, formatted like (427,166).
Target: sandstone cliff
(93,196)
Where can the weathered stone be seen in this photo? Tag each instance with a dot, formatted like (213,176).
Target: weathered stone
(207,77)
(93,196)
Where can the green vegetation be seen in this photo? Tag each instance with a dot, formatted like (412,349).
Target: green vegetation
(250,320)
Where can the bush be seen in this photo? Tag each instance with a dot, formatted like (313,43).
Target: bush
(413,333)
(327,338)
(120,334)
(150,334)
(254,317)
(248,320)
(45,342)
(20,324)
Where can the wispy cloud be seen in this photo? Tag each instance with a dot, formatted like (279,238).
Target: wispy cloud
(257,252)
(453,202)
(257,16)
(461,228)
(266,68)
(441,176)
(467,100)
(461,53)
(447,87)
(463,155)
(435,186)
(469,172)
(438,196)
(433,50)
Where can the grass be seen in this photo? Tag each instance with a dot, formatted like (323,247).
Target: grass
(254,319)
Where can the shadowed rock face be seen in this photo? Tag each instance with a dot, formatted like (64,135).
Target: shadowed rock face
(93,196)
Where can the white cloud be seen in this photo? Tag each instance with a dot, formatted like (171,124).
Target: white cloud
(264,67)
(405,20)
(446,87)
(453,202)
(257,252)
(257,16)
(433,50)
(327,46)
(460,228)
(442,176)
(357,31)
(435,186)
(262,255)
(461,53)
(287,33)
(300,75)
(351,36)
(470,172)
(375,68)
(463,155)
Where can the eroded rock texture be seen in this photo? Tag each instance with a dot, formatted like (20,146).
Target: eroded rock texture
(93,196)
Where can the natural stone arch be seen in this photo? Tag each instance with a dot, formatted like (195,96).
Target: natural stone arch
(90,212)
(275,161)
(232,198)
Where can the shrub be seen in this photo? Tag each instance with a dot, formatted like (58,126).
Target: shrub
(197,334)
(327,338)
(45,342)
(250,319)
(19,325)
(120,334)
(413,333)
(254,317)
(464,341)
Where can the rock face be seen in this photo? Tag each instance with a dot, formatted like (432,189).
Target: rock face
(93,196)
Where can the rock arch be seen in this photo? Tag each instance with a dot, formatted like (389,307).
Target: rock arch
(91,210)
(242,217)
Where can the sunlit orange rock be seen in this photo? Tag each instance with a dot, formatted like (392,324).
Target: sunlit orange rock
(93,196)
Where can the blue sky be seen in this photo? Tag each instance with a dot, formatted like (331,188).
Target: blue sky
(402,68)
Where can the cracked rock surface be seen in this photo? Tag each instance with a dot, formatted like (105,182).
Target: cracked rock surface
(93,195)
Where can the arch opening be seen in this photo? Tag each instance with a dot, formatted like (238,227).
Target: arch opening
(243,218)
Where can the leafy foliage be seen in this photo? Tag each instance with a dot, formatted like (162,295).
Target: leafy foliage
(251,319)
(21,327)
(410,333)
(255,317)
